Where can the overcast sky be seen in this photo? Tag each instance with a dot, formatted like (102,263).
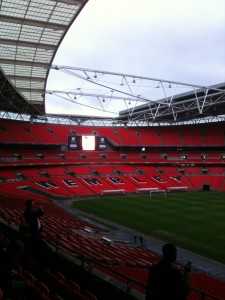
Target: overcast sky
(181,40)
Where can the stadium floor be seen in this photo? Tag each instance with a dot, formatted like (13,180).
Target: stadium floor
(194,220)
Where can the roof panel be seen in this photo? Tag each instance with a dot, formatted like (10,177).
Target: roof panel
(27,54)
(36,97)
(11,70)
(30,33)
(23,84)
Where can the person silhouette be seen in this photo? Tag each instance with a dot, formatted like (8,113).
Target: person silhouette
(166,280)
(32,218)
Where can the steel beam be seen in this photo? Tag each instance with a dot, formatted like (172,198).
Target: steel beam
(159,80)
(188,104)
(100,96)
(27,44)
(71,2)
(24,63)
(32,22)
(30,90)
(25,78)
(174,110)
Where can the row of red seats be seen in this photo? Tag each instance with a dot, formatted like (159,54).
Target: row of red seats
(10,157)
(107,170)
(59,182)
(52,286)
(56,287)
(69,234)
(34,133)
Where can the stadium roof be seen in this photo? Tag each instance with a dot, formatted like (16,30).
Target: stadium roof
(30,34)
(195,104)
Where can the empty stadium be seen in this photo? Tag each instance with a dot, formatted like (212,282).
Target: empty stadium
(113,188)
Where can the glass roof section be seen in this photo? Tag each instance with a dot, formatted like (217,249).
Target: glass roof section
(30,34)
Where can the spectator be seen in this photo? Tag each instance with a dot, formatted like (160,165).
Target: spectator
(166,281)
(4,260)
(141,239)
(32,218)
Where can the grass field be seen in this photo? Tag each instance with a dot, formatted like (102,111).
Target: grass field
(194,220)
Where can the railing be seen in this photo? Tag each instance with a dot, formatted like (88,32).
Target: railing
(108,122)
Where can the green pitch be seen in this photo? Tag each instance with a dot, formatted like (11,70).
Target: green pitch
(194,220)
